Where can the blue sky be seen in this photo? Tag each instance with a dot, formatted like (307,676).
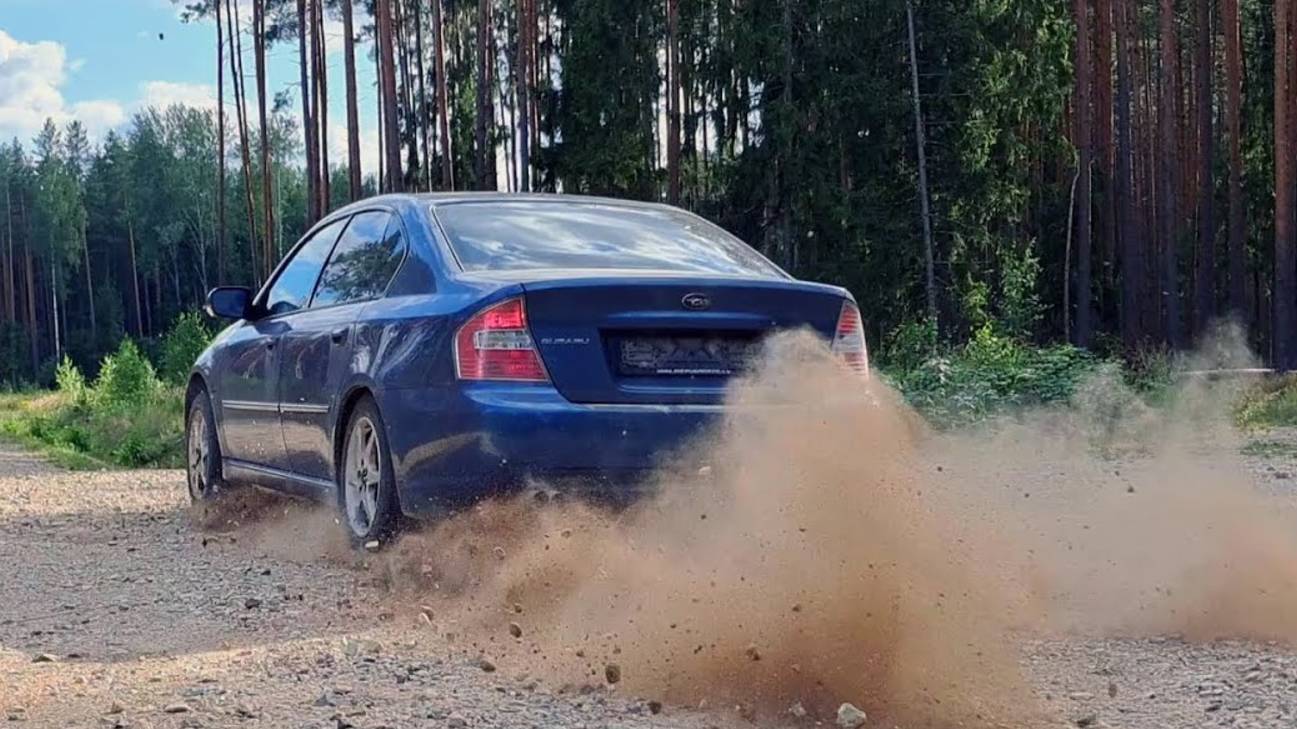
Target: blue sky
(101,60)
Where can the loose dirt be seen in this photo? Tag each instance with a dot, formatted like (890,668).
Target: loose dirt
(1106,565)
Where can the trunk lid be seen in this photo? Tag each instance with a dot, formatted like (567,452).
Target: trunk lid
(664,339)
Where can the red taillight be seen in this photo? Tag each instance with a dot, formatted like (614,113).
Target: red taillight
(496,345)
(849,340)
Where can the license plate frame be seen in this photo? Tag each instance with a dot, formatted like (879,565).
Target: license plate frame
(683,355)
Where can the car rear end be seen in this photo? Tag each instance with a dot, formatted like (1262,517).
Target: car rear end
(591,375)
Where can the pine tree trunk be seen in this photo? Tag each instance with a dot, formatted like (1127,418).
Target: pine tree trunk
(245,136)
(673,102)
(322,116)
(1169,189)
(1132,268)
(1205,281)
(90,286)
(305,28)
(483,155)
(353,109)
(32,329)
(1103,144)
(220,148)
(407,95)
(1083,142)
(267,171)
(1237,265)
(135,277)
(387,96)
(1285,261)
(423,122)
(522,74)
(11,293)
(929,258)
(443,107)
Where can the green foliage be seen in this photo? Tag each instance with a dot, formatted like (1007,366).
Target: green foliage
(1273,403)
(127,418)
(69,381)
(125,376)
(990,374)
(188,337)
(909,345)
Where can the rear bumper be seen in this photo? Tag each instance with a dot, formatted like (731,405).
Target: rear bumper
(452,446)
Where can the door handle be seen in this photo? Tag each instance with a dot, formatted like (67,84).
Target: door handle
(339,336)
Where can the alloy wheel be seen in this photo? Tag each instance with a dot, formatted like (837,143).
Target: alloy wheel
(362,473)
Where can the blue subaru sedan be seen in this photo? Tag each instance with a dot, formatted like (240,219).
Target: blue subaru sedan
(415,352)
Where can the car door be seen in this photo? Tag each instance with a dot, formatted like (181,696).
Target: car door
(249,378)
(316,349)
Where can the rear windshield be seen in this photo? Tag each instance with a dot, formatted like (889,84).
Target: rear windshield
(523,235)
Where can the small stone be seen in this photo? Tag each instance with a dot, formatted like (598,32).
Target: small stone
(1086,720)
(1080,696)
(485,664)
(244,711)
(252,603)
(1112,689)
(176,708)
(373,545)
(849,717)
(361,646)
(323,700)
(44,658)
(612,673)
(499,553)
(1281,475)
(116,708)
(456,721)
(515,630)
(655,707)
(752,653)
(797,711)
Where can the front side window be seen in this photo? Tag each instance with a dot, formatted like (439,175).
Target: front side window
(292,289)
(362,264)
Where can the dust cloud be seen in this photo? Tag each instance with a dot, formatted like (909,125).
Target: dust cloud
(821,546)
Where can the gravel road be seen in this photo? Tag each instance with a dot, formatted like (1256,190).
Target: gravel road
(116,611)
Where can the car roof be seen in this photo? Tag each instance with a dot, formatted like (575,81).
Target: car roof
(435,199)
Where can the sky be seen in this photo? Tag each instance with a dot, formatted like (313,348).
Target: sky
(100,61)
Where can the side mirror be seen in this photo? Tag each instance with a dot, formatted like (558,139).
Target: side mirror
(229,302)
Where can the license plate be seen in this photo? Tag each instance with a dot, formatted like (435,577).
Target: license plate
(685,356)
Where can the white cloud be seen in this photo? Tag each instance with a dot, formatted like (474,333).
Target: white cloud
(368,147)
(166,93)
(31,79)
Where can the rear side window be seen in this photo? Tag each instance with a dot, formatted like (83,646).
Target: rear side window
(363,262)
(529,235)
(292,289)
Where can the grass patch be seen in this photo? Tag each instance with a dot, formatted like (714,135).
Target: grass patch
(1271,404)
(1270,448)
(126,418)
(82,436)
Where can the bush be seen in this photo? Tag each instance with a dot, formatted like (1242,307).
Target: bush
(1270,404)
(188,337)
(126,376)
(127,418)
(989,374)
(69,381)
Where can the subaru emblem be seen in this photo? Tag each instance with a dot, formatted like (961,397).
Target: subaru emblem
(696,302)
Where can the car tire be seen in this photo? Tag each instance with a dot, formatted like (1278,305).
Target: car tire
(202,452)
(366,481)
